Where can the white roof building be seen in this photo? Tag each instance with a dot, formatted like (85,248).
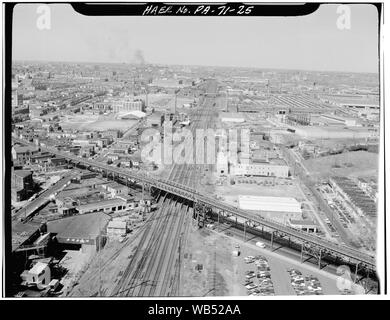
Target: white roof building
(276,204)
(232,117)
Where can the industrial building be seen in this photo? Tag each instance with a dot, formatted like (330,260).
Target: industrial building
(39,274)
(79,230)
(271,168)
(22,184)
(304,225)
(21,155)
(232,117)
(346,121)
(107,205)
(279,209)
(128,104)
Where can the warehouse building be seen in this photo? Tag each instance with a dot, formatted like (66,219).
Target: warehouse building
(271,168)
(279,209)
(79,231)
(232,117)
(107,205)
(304,225)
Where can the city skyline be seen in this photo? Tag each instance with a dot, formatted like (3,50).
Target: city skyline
(309,49)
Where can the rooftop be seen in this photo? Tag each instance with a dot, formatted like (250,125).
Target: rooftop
(22,173)
(79,227)
(117,224)
(38,268)
(103,203)
(24,149)
(303,222)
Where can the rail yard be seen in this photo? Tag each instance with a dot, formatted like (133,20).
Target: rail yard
(235,212)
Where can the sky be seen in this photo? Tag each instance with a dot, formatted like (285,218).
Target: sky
(311,42)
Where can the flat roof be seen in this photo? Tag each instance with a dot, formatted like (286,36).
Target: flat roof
(269,204)
(231,115)
(38,268)
(78,227)
(107,202)
(22,173)
(269,199)
(303,222)
(22,149)
(117,224)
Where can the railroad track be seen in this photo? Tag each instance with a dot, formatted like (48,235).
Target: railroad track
(154,268)
(131,275)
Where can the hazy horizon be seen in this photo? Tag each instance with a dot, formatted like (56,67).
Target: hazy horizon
(308,43)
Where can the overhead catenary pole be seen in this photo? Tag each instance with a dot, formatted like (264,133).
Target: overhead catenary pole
(99,258)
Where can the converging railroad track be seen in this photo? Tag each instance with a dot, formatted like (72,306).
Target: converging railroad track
(154,268)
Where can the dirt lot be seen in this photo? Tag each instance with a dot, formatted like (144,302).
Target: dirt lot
(74,262)
(359,163)
(222,274)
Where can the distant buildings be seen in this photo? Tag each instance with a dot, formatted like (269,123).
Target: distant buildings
(155,120)
(128,104)
(16,98)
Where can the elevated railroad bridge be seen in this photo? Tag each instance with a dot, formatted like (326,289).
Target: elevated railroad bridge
(310,244)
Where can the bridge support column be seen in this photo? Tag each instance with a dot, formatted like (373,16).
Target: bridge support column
(302,252)
(245,231)
(218,217)
(356,272)
(272,239)
(319,259)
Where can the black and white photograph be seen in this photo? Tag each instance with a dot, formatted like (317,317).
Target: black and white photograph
(193,150)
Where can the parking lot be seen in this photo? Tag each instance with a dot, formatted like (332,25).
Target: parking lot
(258,279)
(304,285)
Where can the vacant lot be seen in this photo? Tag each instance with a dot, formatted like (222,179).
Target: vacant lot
(359,163)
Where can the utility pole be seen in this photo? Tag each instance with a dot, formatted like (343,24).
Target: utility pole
(227,99)
(146,97)
(99,258)
(178,279)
